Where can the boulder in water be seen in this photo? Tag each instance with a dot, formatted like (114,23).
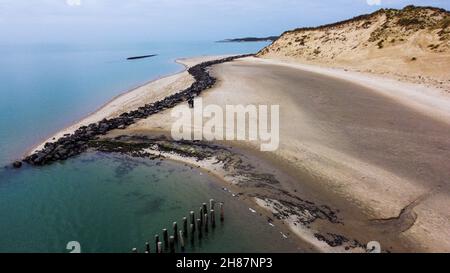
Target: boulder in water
(17,164)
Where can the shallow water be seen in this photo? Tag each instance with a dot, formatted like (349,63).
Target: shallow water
(113,203)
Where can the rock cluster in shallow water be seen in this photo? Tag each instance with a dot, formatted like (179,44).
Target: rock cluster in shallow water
(76,143)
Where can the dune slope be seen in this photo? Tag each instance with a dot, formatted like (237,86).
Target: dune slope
(412,44)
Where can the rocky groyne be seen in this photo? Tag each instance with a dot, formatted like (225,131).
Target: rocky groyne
(76,143)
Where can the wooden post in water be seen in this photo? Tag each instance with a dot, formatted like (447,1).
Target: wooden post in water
(175,231)
(192,232)
(206,221)
(201,218)
(156,241)
(182,240)
(193,219)
(211,204)
(205,208)
(166,237)
(200,235)
(222,214)
(147,247)
(160,247)
(185,226)
(213,218)
(172,244)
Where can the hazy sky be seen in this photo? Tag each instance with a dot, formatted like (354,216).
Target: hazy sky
(148,20)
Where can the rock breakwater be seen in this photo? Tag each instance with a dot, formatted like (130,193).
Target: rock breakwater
(76,143)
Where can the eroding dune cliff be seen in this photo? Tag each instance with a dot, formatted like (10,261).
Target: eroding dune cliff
(412,44)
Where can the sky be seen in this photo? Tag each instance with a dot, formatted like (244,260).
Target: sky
(109,21)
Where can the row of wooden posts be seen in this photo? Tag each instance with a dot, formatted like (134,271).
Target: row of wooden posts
(197,225)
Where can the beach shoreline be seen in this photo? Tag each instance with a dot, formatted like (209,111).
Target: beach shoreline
(432,106)
(70,126)
(95,115)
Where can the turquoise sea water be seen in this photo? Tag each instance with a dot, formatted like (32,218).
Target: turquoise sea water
(112,203)
(109,203)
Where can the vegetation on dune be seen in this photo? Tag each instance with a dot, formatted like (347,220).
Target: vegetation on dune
(385,28)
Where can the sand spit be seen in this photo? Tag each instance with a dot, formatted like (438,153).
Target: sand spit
(70,145)
(355,164)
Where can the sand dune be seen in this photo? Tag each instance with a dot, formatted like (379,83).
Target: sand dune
(412,45)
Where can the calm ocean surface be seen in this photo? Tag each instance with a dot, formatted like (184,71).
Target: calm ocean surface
(109,203)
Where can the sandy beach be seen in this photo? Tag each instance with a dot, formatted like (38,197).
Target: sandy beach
(373,150)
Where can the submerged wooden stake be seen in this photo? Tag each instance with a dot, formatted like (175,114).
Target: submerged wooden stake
(213,218)
(206,221)
(193,219)
(185,226)
(200,235)
(205,208)
(182,240)
(175,231)
(166,237)
(160,247)
(201,218)
(172,244)
(211,204)
(147,247)
(156,241)
(222,214)
(192,232)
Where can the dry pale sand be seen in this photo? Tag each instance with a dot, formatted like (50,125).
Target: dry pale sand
(378,150)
